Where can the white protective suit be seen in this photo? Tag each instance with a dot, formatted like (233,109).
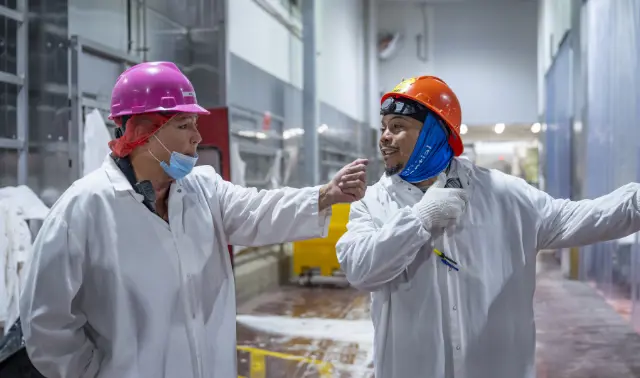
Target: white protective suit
(15,250)
(18,205)
(113,291)
(432,321)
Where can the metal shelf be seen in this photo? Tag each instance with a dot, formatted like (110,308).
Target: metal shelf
(19,79)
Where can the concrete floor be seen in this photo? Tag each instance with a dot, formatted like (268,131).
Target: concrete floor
(292,331)
(579,335)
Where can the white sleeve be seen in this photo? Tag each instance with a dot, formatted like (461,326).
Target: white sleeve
(564,223)
(254,218)
(53,328)
(372,256)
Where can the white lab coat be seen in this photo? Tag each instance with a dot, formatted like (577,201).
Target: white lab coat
(15,250)
(18,205)
(113,291)
(431,321)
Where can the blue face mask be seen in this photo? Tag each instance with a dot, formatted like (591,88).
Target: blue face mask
(431,155)
(179,165)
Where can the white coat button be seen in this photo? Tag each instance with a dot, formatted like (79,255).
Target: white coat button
(455,308)
(457,347)
(179,190)
(450,269)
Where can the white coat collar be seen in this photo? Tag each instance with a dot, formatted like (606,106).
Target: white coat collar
(118,179)
(121,184)
(460,167)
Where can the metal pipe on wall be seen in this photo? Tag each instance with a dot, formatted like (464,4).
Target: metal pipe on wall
(310,104)
(579,97)
(23,93)
(145,46)
(372,96)
(222,17)
(422,40)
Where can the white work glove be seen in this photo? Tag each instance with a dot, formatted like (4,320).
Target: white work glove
(441,207)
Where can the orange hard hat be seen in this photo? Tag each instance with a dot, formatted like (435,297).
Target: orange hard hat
(438,97)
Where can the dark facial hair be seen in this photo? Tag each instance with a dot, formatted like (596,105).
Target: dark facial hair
(393,170)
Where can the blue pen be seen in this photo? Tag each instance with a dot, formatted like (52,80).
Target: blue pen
(451,263)
(447,263)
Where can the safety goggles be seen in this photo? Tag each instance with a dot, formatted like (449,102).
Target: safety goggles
(409,108)
(404,107)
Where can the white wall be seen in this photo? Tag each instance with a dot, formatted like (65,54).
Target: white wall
(341,65)
(486,51)
(257,37)
(407,19)
(260,39)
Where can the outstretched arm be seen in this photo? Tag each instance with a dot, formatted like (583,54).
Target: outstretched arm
(253,218)
(563,223)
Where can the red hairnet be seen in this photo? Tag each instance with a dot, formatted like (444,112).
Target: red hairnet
(139,128)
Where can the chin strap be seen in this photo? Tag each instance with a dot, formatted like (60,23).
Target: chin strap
(144,188)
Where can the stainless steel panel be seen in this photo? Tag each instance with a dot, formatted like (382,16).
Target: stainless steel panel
(13,76)
(99,20)
(8,167)
(252,92)
(48,98)
(8,45)
(210,156)
(8,113)
(253,88)
(191,34)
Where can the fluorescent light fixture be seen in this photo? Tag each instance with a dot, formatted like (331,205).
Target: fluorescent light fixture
(499,128)
(322,128)
(536,127)
(463,129)
(291,133)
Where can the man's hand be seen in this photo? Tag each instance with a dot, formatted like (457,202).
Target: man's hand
(441,207)
(348,185)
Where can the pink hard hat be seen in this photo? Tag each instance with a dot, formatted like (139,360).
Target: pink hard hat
(153,87)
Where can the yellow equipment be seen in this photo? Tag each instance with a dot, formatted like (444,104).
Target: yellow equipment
(317,257)
(258,362)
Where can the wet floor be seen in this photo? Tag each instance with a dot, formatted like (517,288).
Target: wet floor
(579,335)
(300,332)
(308,332)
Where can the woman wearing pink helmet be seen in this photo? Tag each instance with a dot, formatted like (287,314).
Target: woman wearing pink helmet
(130,275)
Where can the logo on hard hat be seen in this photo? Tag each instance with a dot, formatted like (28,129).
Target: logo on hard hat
(404,85)
(189,94)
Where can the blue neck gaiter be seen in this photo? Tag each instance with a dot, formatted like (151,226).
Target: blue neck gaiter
(431,155)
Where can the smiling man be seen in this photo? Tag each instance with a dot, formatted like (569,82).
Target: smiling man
(448,249)
(130,274)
